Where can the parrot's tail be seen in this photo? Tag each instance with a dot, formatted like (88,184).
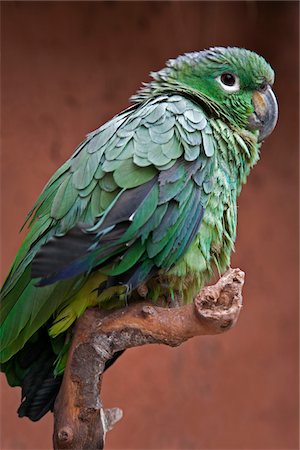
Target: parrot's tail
(39,398)
(32,369)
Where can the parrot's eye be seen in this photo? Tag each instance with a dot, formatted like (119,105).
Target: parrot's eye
(229,82)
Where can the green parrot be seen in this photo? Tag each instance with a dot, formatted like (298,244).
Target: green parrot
(148,199)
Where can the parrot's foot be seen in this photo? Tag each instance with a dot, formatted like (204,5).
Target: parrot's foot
(174,299)
(142,290)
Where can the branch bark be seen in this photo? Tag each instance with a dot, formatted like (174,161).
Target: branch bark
(80,420)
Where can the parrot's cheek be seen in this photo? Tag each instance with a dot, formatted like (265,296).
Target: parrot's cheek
(265,115)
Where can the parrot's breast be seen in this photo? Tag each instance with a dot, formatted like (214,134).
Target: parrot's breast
(211,248)
(214,242)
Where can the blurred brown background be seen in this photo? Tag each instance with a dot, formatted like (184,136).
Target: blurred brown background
(67,67)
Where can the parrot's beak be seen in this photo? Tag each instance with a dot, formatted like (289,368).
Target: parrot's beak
(265,115)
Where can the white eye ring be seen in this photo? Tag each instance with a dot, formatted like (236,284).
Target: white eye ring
(229,82)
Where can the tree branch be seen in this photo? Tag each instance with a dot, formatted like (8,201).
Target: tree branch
(80,421)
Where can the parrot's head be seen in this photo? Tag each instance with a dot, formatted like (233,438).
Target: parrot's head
(232,83)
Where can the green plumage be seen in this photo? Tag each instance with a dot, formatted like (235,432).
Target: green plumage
(149,196)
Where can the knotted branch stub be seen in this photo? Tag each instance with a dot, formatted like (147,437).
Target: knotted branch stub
(80,420)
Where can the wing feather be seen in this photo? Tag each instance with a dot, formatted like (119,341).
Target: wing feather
(129,200)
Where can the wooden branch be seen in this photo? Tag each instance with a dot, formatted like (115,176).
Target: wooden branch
(80,420)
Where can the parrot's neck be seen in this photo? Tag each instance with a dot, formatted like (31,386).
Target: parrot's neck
(162,85)
(238,150)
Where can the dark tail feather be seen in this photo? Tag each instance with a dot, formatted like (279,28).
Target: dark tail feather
(40,387)
(32,369)
(39,390)
(43,401)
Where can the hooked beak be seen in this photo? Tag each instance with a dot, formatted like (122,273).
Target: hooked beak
(265,115)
